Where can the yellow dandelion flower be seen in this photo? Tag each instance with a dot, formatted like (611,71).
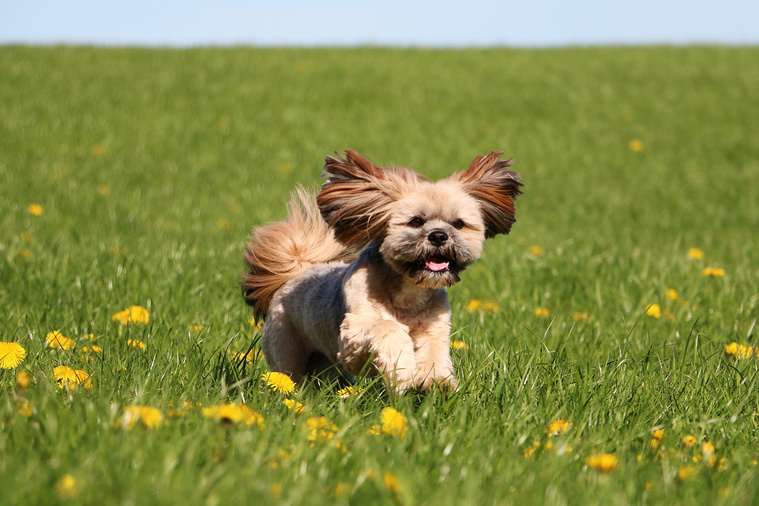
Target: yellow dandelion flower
(741,351)
(11,355)
(321,429)
(66,487)
(237,413)
(375,430)
(707,453)
(713,272)
(294,406)
(394,423)
(542,312)
(636,145)
(689,441)
(472,305)
(695,254)
(27,238)
(279,382)
(536,250)
(657,434)
(65,375)
(276,490)
(248,357)
(459,345)
(23,380)
(24,409)
(25,253)
(686,472)
(149,416)
(97,150)
(653,310)
(196,328)
(349,391)
(136,343)
(391,483)
(580,316)
(556,427)
(57,340)
(530,451)
(672,294)
(606,462)
(35,209)
(256,324)
(136,315)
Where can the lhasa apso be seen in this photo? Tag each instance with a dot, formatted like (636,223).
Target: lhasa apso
(355,278)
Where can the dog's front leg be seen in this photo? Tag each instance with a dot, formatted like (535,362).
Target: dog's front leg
(378,345)
(433,356)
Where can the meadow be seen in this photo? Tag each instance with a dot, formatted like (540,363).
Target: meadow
(605,349)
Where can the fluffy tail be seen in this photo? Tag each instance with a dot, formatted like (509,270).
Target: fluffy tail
(279,252)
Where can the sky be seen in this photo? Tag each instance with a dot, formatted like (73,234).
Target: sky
(442,23)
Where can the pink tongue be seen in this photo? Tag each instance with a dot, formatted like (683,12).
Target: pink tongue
(437,266)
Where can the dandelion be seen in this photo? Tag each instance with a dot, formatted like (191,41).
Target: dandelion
(713,272)
(394,423)
(695,254)
(557,427)
(530,451)
(686,472)
(707,453)
(349,391)
(24,409)
(27,238)
(279,382)
(92,349)
(672,294)
(459,345)
(35,209)
(248,357)
(321,429)
(149,416)
(391,483)
(136,343)
(653,310)
(636,145)
(196,328)
(237,413)
(689,441)
(294,406)
(542,312)
(580,316)
(57,340)
(256,324)
(134,314)
(656,436)
(483,306)
(741,351)
(97,150)
(606,462)
(536,250)
(25,253)
(23,380)
(11,355)
(68,378)
(66,487)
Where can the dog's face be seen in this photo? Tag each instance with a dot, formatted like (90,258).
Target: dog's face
(427,231)
(433,234)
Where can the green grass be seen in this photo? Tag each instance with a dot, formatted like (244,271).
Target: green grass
(153,165)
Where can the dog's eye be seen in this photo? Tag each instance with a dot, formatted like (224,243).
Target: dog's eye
(458,224)
(416,222)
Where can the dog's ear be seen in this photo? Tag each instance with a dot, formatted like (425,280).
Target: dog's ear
(495,188)
(358,196)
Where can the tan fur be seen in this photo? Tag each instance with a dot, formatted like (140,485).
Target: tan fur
(281,251)
(387,312)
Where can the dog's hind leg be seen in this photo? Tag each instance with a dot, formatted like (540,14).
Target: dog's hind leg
(285,349)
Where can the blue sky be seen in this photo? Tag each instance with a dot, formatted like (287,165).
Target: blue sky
(537,23)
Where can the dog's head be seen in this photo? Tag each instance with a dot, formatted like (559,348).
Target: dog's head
(427,231)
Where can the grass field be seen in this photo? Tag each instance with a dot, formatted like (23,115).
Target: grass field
(148,169)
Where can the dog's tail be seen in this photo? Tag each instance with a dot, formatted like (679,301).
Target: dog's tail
(279,252)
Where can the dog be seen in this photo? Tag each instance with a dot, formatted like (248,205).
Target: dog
(355,278)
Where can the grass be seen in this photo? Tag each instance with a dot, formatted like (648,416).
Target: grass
(151,167)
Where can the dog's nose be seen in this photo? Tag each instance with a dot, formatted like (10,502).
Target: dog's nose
(437,237)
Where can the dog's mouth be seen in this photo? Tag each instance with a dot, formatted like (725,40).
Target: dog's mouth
(437,264)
